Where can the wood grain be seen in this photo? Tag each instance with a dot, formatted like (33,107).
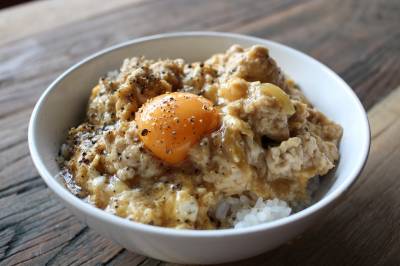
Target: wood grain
(49,15)
(360,40)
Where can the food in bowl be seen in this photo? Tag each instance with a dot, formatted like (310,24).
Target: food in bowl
(228,142)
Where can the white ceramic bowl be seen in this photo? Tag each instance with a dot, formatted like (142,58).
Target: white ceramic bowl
(63,103)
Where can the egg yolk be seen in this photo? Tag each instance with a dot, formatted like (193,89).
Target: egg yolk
(170,124)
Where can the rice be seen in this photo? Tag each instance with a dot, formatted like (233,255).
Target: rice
(262,212)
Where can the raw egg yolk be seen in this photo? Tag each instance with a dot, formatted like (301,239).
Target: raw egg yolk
(170,124)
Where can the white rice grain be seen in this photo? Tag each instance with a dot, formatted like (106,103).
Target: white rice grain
(262,212)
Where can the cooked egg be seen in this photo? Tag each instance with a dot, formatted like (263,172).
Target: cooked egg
(170,124)
(235,89)
(281,96)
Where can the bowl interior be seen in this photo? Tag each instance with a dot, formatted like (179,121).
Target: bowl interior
(63,104)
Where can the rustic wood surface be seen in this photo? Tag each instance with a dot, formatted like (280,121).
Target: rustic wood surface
(360,40)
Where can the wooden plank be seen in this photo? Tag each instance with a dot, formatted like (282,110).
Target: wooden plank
(359,40)
(49,14)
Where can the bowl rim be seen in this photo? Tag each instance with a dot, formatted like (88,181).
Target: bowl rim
(109,218)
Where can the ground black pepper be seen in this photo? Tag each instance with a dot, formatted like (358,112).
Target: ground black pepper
(144,132)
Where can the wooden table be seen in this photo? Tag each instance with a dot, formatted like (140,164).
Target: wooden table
(360,40)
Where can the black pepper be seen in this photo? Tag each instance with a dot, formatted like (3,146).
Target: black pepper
(144,132)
